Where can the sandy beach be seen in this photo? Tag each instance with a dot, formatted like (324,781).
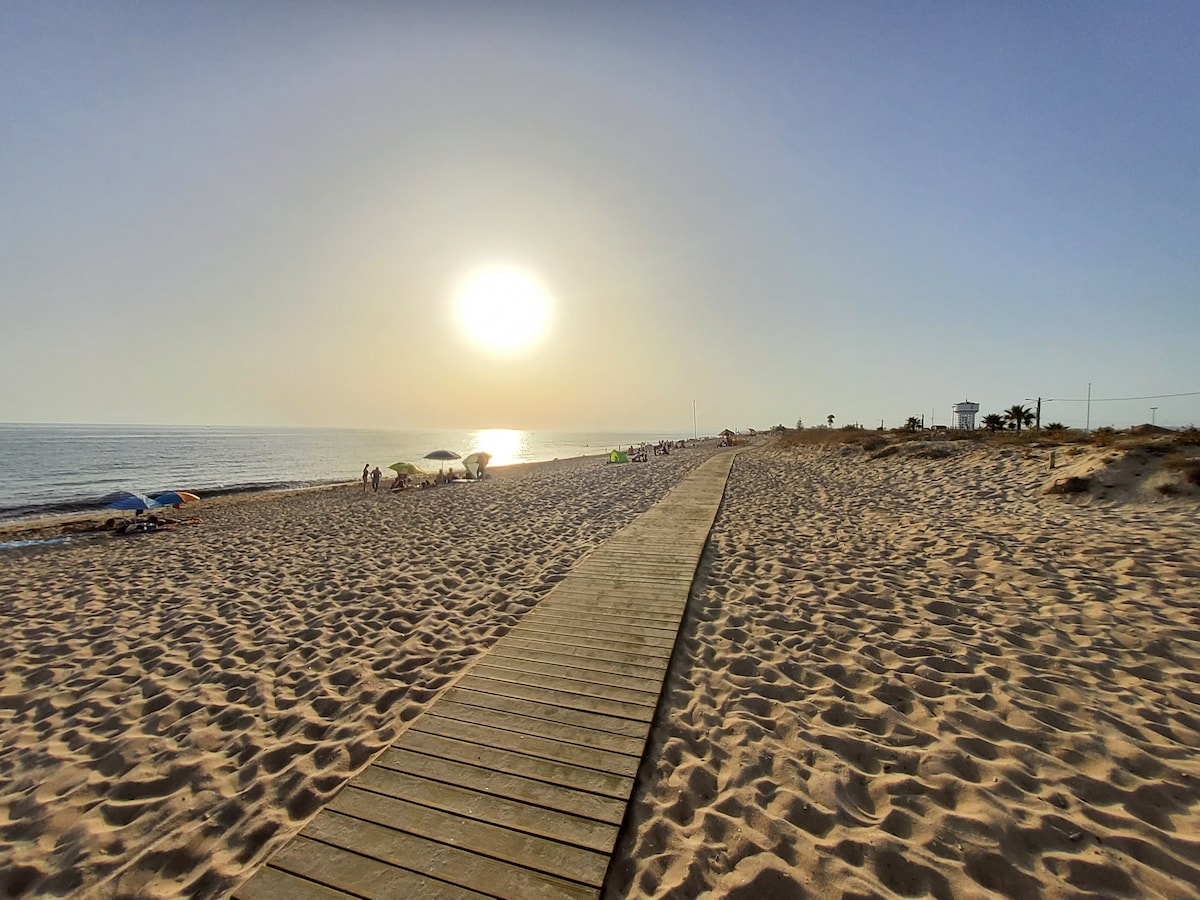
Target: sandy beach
(174,706)
(900,676)
(925,677)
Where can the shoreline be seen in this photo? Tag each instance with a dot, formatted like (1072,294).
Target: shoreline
(90,521)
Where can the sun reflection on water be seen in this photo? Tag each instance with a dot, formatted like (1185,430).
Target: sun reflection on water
(504,444)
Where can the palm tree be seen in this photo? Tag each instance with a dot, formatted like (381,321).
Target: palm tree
(830,418)
(993,422)
(1017,416)
(913,423)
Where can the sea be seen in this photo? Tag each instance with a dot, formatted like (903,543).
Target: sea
(48,470)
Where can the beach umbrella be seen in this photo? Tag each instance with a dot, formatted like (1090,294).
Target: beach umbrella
(131,500)
(443,455)
(405,468)
(477,461)
(175,498)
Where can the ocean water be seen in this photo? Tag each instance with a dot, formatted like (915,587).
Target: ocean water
(52,469)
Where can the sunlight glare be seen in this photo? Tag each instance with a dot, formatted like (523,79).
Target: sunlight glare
(504,444)
(503,309)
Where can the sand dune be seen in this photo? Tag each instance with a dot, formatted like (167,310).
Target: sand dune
(174,706)
(912,676)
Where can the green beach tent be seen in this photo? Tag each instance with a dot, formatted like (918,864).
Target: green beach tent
(618,456)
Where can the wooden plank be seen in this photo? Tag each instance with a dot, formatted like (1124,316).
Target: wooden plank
(639,712)
(629,565)
(525,851)
(637,553)
(605,784)
(646,604)
(661,639)
(555,655)
(599,654)
(506,812)
(271,884)
(624,609)
(600,648)
(602,620)
(575,673)
(611,724)
(612,627)
(563,683)
(603,576)
(656,604)
(633,639)
(504,784)
(529,744)
(446,862)
(304,860)
(547,728)
(585,719)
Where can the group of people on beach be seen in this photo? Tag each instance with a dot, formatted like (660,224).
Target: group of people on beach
(404,482)
(642,452)
(151,523)
(373,476)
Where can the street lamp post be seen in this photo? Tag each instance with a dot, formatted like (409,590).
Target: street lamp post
(1038,422)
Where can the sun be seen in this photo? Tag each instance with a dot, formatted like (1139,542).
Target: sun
(503,309)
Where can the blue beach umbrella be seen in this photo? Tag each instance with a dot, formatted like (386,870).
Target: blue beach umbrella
(443,455)
(175,498)
(131,500)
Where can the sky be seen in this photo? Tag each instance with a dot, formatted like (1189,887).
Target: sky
(740,214)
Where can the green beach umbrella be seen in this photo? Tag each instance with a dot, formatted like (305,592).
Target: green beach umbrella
(405,468)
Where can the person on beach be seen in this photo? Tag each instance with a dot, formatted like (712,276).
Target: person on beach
(375,476)
(366,468)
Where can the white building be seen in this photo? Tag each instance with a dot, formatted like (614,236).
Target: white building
(964,415)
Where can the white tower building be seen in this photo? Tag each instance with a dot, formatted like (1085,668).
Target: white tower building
(964,415)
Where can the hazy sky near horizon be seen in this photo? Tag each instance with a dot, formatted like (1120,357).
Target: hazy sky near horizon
(258,213)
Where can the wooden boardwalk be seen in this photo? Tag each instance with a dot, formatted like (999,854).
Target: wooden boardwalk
(514,782)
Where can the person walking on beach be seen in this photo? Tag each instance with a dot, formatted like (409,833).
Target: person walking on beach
(375,476)
(366,467)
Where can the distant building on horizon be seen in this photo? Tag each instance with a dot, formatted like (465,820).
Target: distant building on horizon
(964,415)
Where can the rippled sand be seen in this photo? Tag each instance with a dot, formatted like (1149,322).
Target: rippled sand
(923,677)
(900,677)
(174,706)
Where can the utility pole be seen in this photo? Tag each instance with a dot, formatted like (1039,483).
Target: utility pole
(1038,422)
(695,433)
(1153,409)
(1087,423)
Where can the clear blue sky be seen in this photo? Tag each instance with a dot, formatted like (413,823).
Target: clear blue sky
(258,213)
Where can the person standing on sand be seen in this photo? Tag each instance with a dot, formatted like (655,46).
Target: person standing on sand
(375,476)
(366,466)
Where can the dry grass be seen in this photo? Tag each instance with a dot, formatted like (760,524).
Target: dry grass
(1187,466)
(881,443)
(1188,437)
(836,437)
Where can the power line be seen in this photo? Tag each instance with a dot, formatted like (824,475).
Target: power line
(1116,399)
